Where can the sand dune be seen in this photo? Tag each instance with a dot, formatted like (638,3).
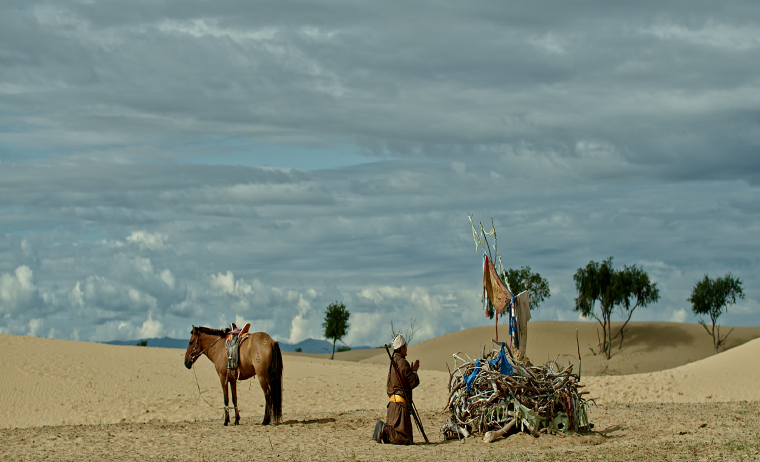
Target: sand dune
(647,346)
(55,382)
(732,375)
(65,400)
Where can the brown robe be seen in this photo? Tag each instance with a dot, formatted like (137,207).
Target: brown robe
(398,419)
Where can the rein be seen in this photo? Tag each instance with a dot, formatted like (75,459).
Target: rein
(204,351)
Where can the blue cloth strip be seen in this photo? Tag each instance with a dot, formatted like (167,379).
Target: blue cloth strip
(470,379)
(504,367)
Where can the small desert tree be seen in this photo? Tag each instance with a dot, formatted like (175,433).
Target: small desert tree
(336,322)
(408,333)
(626,289)
(712,297)
(525,279)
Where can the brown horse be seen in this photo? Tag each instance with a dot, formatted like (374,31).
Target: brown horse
(259,356)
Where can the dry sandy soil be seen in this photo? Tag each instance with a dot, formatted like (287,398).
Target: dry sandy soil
(663,396)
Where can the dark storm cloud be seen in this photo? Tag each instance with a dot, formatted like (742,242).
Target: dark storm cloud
(656,85)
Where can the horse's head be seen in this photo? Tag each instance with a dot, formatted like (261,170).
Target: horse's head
(194,350)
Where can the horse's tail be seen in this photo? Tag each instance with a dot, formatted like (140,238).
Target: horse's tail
(275,383)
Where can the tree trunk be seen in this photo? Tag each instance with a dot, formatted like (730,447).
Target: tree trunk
(716,337)
(333,353)
(607,336)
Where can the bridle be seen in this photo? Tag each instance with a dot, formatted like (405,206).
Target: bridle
(192,355)
(197,346)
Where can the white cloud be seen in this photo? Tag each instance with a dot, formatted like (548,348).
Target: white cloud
(17,290)
(151,328)
(141,299)
(678,315)
(146,240)
(226,283)
(76,296)
(100,300)
(366,329)
(549,43)
(168,278)
(596,150)
(371,294)
(209,27)
(240,321)
(34,326)
(718,35)
(300,329)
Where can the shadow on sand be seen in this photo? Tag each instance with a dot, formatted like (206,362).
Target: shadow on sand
(308,421)
(652,337)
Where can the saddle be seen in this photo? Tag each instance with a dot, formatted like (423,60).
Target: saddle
(233,341)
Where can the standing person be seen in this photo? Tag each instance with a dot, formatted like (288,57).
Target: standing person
(397,428)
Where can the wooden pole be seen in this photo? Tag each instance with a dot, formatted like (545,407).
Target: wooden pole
(496,317)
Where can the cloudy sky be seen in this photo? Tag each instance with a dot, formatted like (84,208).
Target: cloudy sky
(169,163)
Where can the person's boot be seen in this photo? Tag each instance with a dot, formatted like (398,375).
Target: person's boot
(385,435)
(379,431)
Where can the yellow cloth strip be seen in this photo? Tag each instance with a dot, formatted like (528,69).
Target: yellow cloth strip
(397,399)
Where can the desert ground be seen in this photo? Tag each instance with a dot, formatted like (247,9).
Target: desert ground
(663,395)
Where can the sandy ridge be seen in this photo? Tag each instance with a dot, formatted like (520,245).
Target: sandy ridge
(57,382)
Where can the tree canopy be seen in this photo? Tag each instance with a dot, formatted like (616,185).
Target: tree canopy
(336,322)
(712,297)
(625,289)
(525,279)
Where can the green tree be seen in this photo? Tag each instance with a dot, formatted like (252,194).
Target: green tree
(712,297)
(336,322)
(524,279)
(625,289)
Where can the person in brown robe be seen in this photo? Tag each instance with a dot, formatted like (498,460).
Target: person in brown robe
(397,428)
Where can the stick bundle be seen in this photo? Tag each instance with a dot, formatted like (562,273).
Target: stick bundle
(537,399)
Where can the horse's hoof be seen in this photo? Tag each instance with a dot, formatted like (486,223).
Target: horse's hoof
(226,423)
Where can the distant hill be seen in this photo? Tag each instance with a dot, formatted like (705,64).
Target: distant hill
(165,342)
(309,345)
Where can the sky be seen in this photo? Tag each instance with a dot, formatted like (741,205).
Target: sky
(173,163)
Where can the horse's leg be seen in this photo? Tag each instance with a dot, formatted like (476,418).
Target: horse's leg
(268,398)
(226,399)
(233,387)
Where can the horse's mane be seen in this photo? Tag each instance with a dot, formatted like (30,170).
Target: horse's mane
(210,331)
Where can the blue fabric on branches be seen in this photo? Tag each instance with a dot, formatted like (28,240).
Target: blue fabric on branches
(504,367)
(470,379)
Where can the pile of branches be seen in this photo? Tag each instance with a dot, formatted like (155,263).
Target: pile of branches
(536,399)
